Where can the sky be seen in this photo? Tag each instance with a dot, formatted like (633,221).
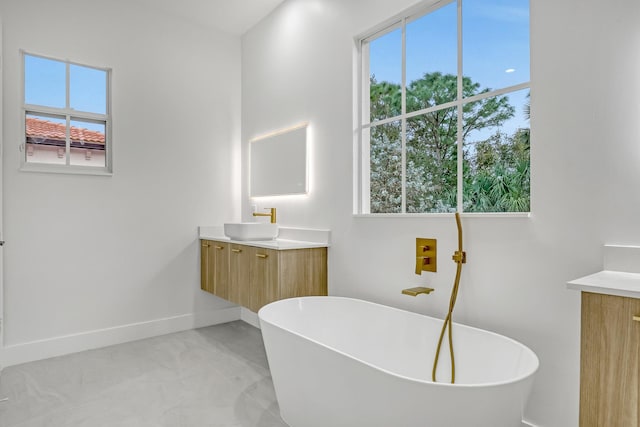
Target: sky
(495,48)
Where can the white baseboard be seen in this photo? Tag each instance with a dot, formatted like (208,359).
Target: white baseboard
(250,317)
(527,424)
(59,346)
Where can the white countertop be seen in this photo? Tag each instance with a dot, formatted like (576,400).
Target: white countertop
(610,283)
(289,238)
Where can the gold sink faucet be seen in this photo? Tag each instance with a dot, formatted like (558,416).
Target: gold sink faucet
(272,214)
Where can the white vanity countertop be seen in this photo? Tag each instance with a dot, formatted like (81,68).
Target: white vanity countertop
(289,238)
(610,283)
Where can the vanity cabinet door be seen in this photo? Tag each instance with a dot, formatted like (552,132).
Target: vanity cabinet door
(609,374)
(263,277)
(303,272)
(206,279)
(239,274)
(219,253)
(214,268)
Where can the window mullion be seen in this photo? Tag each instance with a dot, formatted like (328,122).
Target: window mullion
(52,111)
(67,146)
(68,107)
(460,114)
(403,132)
(364,143)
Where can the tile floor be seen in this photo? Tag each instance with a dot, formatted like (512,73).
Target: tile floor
(210,377)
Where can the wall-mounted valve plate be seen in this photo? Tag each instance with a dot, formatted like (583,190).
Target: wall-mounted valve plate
(426,259)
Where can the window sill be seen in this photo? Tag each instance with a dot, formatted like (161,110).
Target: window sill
(448,215)
(68,170)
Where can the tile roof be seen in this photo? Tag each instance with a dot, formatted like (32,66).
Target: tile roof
(37,128)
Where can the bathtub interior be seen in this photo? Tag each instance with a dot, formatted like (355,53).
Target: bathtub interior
(400,342)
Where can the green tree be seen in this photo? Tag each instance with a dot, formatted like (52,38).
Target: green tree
(386,169)
(497,173)
(497,178)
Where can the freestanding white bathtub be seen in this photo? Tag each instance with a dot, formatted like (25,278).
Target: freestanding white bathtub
(342,362)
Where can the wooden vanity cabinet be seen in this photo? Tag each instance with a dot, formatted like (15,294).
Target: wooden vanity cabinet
(610,359)
(214,271)
(257,276)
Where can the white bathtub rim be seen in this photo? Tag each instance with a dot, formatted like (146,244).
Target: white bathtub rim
(513,380)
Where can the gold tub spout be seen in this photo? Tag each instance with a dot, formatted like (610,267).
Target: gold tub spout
(417,291)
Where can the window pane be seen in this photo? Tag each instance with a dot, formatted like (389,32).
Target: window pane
(385,69)
(432,158)
(44,82)
(88,89)
(496,42)
(386,168)
(432,58)
(45,139)
(87,143)
(496,154)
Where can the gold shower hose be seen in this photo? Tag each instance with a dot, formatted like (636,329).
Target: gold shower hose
(460,258)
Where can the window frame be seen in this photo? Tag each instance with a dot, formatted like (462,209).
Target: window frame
(69,114)
(362,124)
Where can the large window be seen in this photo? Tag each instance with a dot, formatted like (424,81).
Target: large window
(66,116)
(444,110)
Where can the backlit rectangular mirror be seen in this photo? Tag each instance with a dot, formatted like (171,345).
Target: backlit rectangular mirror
(278,163)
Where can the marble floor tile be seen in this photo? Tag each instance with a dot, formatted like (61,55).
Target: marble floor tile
(210,377)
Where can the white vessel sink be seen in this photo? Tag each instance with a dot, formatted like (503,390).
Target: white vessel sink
(251,230)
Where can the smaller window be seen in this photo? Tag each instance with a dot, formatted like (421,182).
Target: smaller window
(67,120)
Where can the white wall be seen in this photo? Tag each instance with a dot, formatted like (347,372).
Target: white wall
(93,260)
(297,65)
